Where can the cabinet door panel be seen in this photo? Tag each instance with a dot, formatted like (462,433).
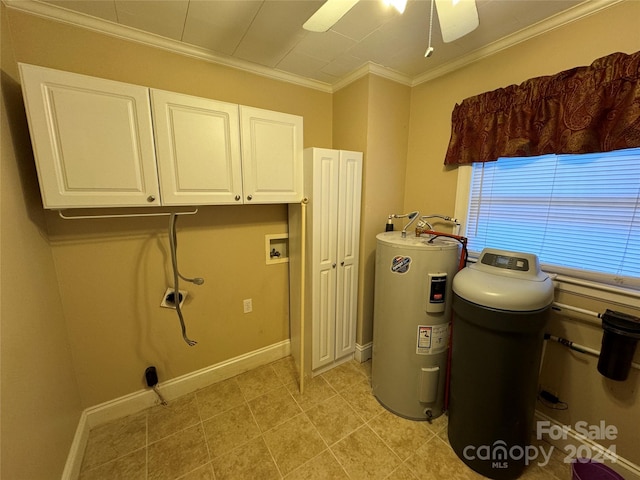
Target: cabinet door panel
(323,210)
(349,199)
(346,308)
(198,148)
(92,139)
(323,351)
(271,156)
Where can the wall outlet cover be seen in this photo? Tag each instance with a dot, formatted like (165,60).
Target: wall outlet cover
(247,305)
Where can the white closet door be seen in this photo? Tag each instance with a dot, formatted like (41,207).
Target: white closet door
(271,156)
(323,207)
(348,243)
(198,148)
(92,139)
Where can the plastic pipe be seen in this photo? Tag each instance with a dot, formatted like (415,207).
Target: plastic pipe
(581,348)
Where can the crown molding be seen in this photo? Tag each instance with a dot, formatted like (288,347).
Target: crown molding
(374,69)
(60,14)
(582,10)
(53,12)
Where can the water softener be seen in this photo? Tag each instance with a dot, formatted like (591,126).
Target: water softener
(412,313)
(501,305)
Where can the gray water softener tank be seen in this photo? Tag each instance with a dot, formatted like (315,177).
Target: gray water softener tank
(501,305)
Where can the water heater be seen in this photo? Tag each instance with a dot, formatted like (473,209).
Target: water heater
(411,322)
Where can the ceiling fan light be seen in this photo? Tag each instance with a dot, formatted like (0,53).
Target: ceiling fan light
(399,5)
(457,18)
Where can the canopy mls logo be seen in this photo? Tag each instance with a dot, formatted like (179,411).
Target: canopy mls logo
(500,453)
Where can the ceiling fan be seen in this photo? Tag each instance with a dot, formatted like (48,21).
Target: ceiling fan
(456,17)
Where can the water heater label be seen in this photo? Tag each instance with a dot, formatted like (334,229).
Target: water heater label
(400,264)
(432,339)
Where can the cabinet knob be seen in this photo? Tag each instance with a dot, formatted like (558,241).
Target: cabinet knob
(342,264)
(333,266)
(238,198)
(249,197)
(151,198)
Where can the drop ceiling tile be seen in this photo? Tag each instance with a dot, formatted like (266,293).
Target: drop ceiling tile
(533,11)
(275,30)
(343,66)
(323,77)
(162,17)
(415,63)
(301,64)
(219,25)
(324,46)
(105,9)
(501,18)
(377,48)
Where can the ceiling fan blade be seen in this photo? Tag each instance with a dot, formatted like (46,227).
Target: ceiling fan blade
(457,18)
(328,14)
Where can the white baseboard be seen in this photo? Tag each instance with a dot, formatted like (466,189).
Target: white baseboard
(364,352)
(575,441)
(143,399)
(76,452)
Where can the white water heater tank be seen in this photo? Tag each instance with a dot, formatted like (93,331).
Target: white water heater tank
(411,322)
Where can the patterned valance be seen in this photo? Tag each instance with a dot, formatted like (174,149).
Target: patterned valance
(582,110)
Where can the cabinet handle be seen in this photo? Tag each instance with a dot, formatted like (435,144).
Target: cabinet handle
(333,266)
(249,197)
(151,198)
(237,198)
(342,264)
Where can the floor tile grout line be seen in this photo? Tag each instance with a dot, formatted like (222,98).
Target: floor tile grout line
(360,415)
(382,440)
(273,458)
(204,432)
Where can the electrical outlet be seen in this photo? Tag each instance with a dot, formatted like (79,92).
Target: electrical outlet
(247,305)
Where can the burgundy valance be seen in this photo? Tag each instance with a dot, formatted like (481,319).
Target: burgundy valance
(582,110)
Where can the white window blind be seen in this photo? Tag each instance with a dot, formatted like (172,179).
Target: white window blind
(579,213)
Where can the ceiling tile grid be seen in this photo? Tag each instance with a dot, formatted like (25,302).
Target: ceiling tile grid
(269,33)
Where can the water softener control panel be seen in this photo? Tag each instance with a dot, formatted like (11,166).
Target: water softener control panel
(505,261)
(437,286)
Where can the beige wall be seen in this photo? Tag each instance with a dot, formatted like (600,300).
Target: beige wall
(40,400)
(384,178)
(112,273)
(371,115)
(430,188)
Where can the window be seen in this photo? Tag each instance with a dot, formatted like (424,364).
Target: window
(579,213)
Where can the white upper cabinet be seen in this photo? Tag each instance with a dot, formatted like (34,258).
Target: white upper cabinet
(92,139)
(96,144)
(271,156)
(198,149)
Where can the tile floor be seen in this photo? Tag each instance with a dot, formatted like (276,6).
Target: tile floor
(257,426)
